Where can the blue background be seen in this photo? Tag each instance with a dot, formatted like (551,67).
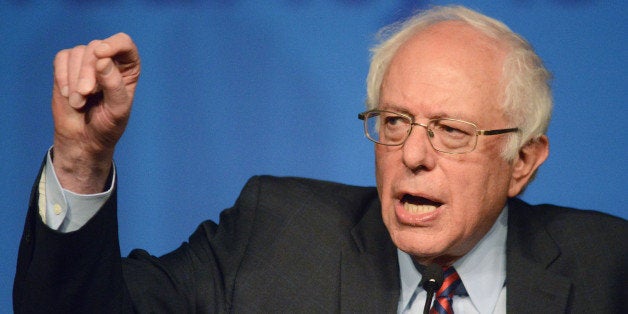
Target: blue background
(231,89)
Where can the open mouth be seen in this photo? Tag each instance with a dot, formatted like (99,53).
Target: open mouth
(418,205)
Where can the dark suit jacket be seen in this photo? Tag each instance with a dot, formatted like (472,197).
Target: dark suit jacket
(297,245)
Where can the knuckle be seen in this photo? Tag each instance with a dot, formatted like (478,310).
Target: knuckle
(124,40)
(61,56)
(77,51)
(94,43)
(123,36)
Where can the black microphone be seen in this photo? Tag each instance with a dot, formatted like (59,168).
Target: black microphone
(432,280)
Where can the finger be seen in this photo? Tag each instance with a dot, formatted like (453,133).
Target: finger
(60,66)
(60,93)
(120,47)
(74,63)
(86,83)
(113,87)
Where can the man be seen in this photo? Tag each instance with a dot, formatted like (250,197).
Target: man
(458,109)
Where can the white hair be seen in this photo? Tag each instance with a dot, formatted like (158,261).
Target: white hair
(527,100)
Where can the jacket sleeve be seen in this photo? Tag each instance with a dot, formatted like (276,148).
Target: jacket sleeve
(69,272)
(82,271)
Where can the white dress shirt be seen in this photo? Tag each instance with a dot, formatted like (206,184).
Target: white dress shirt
(482,271)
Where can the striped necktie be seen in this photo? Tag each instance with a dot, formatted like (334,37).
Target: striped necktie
(443,301)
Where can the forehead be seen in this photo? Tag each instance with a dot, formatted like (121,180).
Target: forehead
(448,69)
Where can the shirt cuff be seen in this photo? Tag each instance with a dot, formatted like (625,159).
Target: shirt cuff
(64,210)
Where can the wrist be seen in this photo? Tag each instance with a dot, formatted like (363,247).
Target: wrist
(80,172)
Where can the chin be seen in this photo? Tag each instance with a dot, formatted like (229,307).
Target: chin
(421,246)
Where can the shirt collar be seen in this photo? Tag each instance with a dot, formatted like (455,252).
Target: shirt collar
(410,278)
(482,270)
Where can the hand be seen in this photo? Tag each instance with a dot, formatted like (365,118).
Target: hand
(92,96)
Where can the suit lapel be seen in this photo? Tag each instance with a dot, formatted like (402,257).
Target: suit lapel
(369,271)
(531,286)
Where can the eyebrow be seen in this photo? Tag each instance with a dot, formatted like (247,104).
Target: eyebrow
(401,109)
(393,107)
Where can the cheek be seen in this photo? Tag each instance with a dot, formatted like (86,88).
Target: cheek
(386,168)
(480,193)
(476,183)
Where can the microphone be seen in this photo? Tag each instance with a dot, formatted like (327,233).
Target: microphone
(432,280)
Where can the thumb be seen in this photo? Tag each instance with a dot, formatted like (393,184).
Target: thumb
(116,97)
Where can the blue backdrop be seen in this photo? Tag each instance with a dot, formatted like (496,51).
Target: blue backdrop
(230,89)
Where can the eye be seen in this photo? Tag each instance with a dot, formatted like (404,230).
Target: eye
(452,129)
(394,120)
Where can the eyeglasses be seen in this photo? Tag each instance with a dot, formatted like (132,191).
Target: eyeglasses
(451,136)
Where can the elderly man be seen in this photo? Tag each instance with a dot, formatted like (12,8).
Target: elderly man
(458,109)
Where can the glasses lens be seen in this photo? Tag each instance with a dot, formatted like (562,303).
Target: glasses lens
(386,127)
(453,136)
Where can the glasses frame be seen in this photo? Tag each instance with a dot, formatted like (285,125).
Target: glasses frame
(430,133)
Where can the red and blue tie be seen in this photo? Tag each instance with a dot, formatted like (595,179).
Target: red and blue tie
(443,301)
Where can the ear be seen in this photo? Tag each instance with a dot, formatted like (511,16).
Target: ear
(530,157)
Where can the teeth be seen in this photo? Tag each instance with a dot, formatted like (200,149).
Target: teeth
(416,209)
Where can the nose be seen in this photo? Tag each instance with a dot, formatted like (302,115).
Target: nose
(418,153)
